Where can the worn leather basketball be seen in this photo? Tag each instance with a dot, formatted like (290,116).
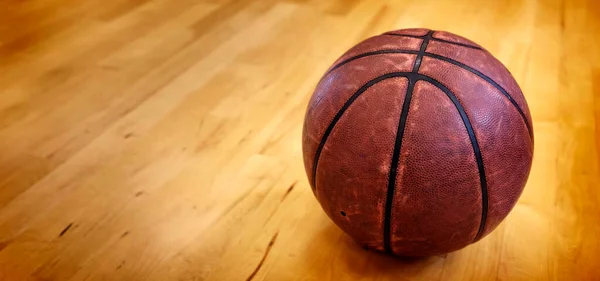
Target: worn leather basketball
(417,142)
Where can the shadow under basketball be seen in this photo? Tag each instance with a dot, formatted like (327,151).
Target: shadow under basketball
(346,260)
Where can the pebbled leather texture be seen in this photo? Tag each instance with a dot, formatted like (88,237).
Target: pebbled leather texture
(381,43)
(488,65)
(364,180)
(335,89)
(453,38)
(437,186)
(417,160)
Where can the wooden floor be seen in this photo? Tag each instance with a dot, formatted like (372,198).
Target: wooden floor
(161,139)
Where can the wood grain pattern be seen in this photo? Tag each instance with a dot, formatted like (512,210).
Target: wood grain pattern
(160,140)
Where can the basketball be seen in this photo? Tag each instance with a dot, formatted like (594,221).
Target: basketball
(417,142)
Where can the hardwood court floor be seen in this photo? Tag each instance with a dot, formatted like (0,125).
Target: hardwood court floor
(160,139)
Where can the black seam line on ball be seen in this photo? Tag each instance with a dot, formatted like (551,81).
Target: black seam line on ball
(404,35)
(489,80)
(391,188)
(340,112)
(393,173)
(457,43)
(439,40)
(476,149)
(419,58)
(457,63)
(371,54)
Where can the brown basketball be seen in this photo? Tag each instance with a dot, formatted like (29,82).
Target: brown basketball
(417,142)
